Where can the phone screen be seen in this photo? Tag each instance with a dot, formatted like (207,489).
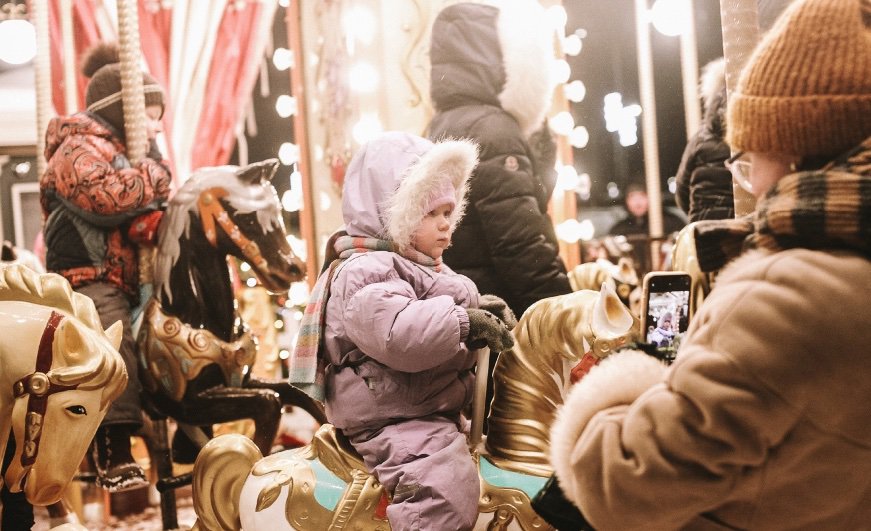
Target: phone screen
(667,310)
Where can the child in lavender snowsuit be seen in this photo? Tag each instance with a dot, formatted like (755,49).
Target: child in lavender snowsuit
(397,326)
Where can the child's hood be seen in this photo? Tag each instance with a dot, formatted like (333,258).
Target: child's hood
(390,180)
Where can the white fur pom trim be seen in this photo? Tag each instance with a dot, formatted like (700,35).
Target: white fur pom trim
(526,39)
(454,159)
(619,379)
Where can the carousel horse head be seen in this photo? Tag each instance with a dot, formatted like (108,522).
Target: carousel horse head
(557,340)
(237,212)
(60,372)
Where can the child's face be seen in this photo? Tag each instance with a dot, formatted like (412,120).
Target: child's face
(433,235)
(153,124)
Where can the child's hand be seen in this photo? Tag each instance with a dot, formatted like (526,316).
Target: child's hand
(499,308)
(485,329)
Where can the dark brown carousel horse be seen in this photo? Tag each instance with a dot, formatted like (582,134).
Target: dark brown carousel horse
(195,352)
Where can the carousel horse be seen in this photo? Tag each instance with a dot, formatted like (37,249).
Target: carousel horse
(59,372)
(621,276)
(194,350)
(325,485)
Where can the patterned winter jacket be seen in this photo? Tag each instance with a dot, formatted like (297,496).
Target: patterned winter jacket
(89,193)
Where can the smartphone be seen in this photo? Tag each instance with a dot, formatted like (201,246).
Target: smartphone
(666,311)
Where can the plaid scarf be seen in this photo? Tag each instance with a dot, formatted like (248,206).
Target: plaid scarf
(825,209)
(307,364)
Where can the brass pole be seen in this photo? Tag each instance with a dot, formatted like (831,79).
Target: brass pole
(740,21)
(293,14)
(71,99)
(689,63)
(648,124)
(132,95)
(42,75)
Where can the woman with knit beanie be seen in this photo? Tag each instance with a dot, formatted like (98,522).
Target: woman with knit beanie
(762,421)
(95,204)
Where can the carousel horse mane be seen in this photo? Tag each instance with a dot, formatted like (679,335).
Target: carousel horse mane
(533,378)
(85,364)
(247,192)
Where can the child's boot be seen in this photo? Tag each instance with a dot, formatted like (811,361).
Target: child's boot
(116,469)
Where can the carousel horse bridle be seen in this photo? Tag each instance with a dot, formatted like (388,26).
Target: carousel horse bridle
(211,210)
(600,349)
(38,386)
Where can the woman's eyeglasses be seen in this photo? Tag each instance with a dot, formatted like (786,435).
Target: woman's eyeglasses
(740,170)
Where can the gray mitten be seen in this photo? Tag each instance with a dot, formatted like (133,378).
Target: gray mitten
(499,308)
(485,329)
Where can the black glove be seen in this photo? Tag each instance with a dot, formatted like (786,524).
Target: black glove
(499,308)
(485,329)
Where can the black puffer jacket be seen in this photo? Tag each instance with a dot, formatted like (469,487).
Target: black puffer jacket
(704,185)
(489,83)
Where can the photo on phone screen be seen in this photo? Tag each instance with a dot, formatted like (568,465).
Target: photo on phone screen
(666,311)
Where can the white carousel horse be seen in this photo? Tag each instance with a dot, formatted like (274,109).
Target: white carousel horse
(325,485)
(59,372)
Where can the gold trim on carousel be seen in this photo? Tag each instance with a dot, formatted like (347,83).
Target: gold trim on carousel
(175,353)
(292,469)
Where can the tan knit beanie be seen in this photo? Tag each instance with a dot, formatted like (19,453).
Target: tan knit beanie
(103,97)
(806,90)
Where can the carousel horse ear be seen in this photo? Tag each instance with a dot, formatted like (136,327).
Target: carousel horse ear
(262,171)
(114,333)
(610,315)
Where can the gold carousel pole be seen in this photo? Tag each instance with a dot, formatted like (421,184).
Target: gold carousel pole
(689,62)
(133,103)
(42,74)
(740,21)
(648,129)
(293,15)
(71,99)
(132,95)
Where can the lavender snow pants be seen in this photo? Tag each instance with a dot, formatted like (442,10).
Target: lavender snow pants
(426,464)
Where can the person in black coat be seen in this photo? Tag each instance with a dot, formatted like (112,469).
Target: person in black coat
(704,185)
(490,83)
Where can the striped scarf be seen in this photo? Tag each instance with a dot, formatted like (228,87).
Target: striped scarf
(826,209)
(307,364)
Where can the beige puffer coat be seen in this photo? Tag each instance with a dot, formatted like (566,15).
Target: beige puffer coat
(763,422)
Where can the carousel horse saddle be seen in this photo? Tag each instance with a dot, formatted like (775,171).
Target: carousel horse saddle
(173,353)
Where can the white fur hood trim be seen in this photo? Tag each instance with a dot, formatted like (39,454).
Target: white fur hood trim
(618,380)
(454,159)
(712,81)
(526,39)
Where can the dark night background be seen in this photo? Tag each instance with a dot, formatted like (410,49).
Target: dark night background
(608,63)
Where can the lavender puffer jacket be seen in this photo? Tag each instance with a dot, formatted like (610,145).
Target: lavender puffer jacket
(394,339)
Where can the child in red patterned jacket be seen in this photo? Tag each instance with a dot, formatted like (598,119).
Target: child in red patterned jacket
(91,197)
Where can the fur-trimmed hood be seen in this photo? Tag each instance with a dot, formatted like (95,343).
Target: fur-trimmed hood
(391,179)
(496,53)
